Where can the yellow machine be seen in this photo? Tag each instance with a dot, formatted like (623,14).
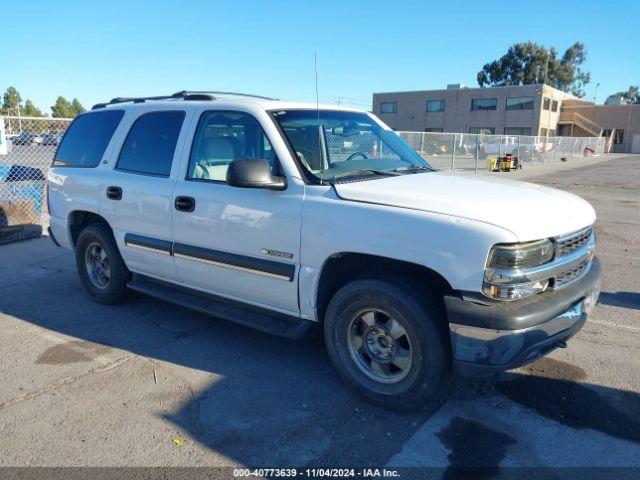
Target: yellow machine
(503,164)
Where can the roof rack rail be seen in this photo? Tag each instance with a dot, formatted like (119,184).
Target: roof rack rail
(235,94)
(183,95)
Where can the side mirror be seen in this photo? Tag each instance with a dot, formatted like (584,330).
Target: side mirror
(253,173)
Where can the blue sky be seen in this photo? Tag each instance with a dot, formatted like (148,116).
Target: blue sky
(98,50)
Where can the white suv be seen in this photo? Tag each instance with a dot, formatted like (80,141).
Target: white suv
(287,216)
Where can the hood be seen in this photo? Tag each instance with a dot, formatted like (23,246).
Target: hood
(528,210)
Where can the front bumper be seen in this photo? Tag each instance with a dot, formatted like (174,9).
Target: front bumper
(487,339)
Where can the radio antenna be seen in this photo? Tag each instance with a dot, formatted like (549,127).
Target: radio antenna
(315,67)
(319,127)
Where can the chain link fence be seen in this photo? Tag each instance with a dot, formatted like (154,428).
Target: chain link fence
(31,143)
(476,152)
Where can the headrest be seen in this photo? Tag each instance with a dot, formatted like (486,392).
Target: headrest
(218,148)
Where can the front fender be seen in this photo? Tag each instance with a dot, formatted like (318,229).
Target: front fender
(454,247)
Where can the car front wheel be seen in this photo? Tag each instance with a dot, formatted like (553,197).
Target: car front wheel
(389,343)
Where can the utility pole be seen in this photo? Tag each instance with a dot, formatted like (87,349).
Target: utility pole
(546,68)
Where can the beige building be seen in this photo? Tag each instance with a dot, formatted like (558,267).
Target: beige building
(619,123)
(518,110)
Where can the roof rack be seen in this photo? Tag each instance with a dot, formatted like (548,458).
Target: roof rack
(235,94)
(182,95)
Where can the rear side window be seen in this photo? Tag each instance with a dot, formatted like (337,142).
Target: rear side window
(151,143)
(87,138)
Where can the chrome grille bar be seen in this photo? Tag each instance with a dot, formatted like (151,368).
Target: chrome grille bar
(570,243)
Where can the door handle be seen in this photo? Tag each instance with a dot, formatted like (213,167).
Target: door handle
(185,204)
(114,193)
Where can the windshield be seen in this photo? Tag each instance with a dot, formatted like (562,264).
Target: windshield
(332,144)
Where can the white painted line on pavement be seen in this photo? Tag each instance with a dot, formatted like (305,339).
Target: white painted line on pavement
(617,255)
(616,325)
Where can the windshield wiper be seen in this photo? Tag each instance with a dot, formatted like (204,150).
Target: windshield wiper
(413,168)
(364,171)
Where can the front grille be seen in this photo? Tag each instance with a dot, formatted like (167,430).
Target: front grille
(568,276)
(571,243)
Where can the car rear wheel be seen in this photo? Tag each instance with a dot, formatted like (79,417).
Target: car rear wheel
(389,344)
(100,266)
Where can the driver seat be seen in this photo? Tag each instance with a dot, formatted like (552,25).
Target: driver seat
(217,154)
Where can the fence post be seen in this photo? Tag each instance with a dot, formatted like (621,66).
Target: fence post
(19,119)
(518,152)
(453,151)
(421,143)
(477,149)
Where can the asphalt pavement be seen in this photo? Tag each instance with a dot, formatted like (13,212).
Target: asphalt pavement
(148,383)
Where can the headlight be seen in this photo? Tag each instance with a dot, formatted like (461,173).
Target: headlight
(520,255)
(506,258)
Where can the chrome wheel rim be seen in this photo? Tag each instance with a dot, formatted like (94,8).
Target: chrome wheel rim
(380,346)
(97,265)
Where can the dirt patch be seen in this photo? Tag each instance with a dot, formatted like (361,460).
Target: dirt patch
(551,368)
(476,450)
(71,352)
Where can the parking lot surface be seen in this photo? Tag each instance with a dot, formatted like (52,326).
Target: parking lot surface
(147,383)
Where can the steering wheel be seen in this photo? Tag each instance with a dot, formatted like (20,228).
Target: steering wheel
(357,154)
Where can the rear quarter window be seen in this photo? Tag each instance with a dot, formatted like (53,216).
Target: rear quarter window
(86,139)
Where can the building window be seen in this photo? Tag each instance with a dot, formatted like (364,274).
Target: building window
(484,103)
(618,137)
(517,130)
(483,130)
(389,107)
(435,130)
(435,105)
(546,103)
(554,106)
(520,103)
(552,132)
(543,132)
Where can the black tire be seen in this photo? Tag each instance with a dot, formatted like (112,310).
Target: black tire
(421,315)
(114,289)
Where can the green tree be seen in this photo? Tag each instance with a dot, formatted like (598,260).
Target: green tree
(631,96)
(30,110)
(77,107)
(11,100)
(529,63)
(66,109)
(12,105)
(62,109)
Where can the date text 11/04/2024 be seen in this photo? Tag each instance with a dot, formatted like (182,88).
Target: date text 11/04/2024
(316,473)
